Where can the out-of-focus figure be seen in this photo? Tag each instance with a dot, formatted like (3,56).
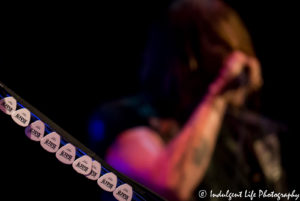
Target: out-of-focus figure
(190,128)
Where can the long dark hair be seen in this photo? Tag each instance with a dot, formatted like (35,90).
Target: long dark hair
(186,50)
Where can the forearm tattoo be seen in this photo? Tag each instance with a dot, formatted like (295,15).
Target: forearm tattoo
(200,152)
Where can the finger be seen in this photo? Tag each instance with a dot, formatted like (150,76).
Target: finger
(234,64)
(255,76)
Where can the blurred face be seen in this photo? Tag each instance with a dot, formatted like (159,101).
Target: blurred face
(194,85)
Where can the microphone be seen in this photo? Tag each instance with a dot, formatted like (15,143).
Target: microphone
(239,81)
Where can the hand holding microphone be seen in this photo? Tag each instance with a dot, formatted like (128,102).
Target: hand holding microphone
(239,76)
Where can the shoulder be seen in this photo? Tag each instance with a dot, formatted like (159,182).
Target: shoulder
(135,151)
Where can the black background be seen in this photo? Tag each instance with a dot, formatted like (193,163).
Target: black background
(66,59)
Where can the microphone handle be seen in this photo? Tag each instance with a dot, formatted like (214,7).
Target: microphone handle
(239,81)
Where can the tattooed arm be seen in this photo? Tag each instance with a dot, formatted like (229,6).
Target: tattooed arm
(181,167)
(189,154)
(174,170)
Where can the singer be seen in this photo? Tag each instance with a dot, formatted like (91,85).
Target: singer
(185,130)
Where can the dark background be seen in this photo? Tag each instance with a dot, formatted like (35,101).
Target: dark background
(67,59)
